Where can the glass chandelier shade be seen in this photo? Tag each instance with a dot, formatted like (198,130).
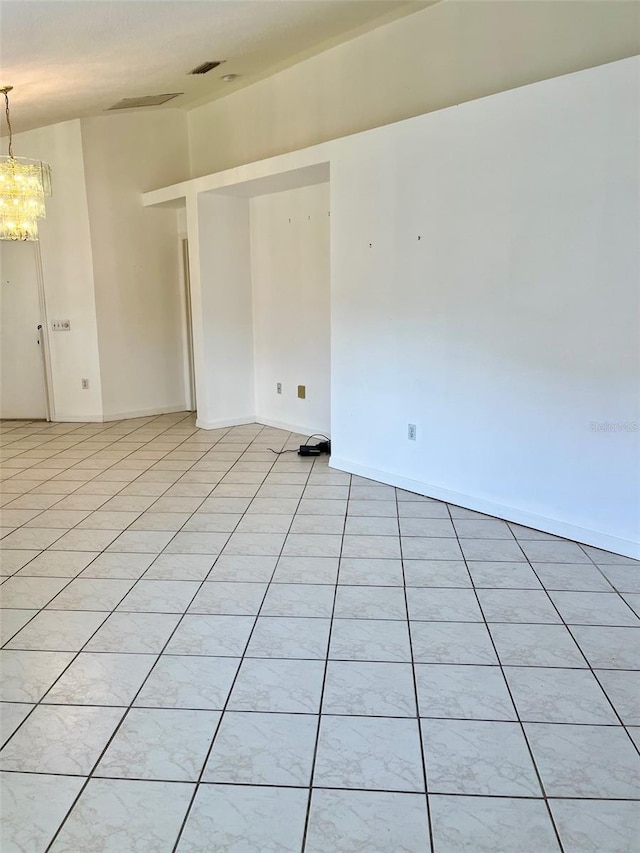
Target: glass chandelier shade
(23,186)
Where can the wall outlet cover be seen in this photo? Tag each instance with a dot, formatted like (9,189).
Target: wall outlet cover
(302,392)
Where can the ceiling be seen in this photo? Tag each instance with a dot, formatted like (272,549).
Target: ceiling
(72,58)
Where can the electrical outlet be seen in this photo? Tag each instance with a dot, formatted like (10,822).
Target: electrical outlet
(61,326)
(411,432)
(302,391)
(279,388)
(85,384)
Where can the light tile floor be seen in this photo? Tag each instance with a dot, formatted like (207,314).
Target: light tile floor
(208,647)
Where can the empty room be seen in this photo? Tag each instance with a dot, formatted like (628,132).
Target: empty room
(320,426)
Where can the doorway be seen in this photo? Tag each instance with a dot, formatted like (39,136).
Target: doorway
(23,382)
(187,333)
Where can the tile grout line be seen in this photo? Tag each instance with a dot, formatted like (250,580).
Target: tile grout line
(590,669)
(270,583)
(130,706)
(314,757)
(94,453)
(594,671)
(198,782)
(109,497)
(415,683)
(82,458)
(264,785)
(93,479)
(517,713)
(75,655)
(41,609)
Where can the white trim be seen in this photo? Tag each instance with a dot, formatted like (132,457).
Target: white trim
(144,413)
(229,422)
(185,322)
(301,430)
(197,327)
(303,167)
(626,547)
(121,416)
(253,419)
(44,335)
(78,419)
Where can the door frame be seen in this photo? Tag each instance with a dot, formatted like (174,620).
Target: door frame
(44,335)
(187,324)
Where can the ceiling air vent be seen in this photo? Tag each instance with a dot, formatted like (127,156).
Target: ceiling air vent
(146,101)
(206,67)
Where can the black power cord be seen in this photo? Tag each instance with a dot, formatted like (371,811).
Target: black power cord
(309,450)
(316,449)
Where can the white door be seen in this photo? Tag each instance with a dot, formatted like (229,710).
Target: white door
(22,383)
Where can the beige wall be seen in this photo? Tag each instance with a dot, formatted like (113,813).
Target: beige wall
(444,55)
(485,263)
(290,254)
(67,271)
(110,266)
(136,258)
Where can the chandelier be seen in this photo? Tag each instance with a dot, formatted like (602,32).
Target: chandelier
(23,187)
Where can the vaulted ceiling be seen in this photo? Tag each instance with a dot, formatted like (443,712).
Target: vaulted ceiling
(72,58)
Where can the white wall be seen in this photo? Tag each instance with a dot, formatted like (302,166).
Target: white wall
(67,269)
(220,262)
(512,325)
(110,266)
(136,259)
(446,54)
(291,307)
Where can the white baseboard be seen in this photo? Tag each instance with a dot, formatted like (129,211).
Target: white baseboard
(596,538)
(117,416)
(77,419)
(301,430)
(145,413)
(253,419)
(227,422)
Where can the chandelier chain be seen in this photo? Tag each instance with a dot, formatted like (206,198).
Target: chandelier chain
(6,111)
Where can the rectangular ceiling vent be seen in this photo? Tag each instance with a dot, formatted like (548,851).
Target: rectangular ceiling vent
(206,67)
(146,101)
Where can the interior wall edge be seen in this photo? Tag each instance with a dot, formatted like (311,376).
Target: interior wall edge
(557,527)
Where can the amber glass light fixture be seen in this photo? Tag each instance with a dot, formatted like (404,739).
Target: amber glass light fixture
(23,187)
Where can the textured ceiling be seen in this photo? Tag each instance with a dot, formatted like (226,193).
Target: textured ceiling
(72,58)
